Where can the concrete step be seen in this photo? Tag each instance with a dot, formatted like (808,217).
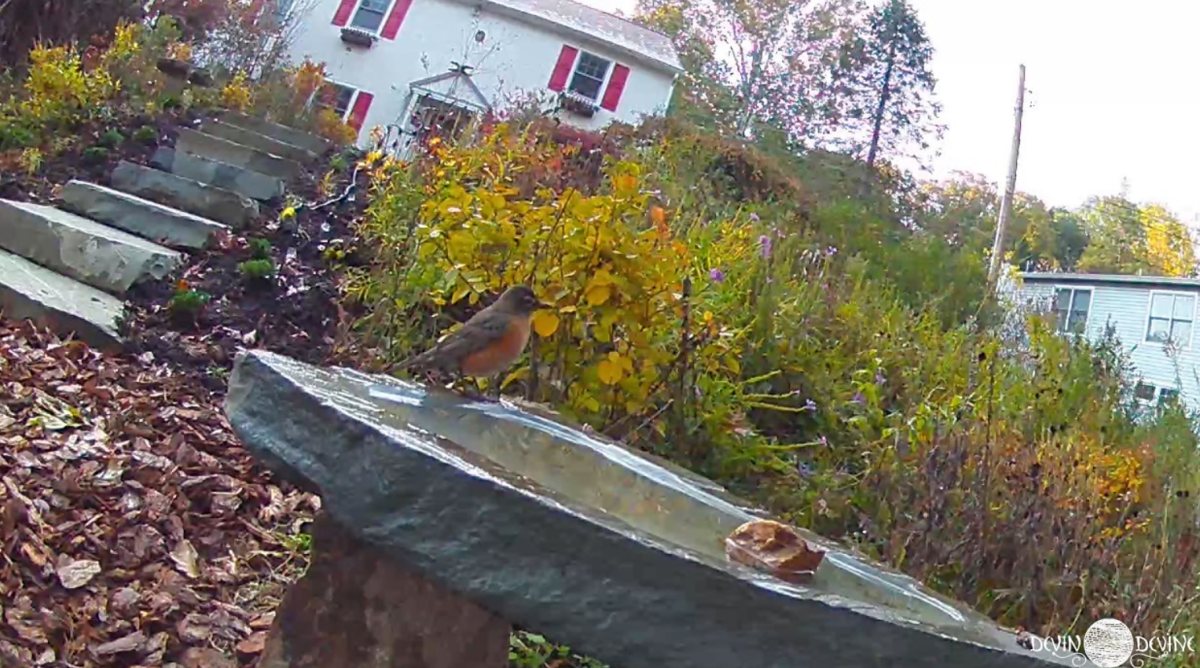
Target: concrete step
(219,204)
(85,250)
(248,182)
(238,155)
(31,292)
(283,133)
(259,141)
(149,220)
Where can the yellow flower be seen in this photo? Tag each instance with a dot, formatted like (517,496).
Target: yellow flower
(288,213)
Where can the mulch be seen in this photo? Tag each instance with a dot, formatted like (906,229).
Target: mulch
(135,529)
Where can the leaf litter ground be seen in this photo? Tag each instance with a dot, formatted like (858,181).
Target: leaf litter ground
(136,530)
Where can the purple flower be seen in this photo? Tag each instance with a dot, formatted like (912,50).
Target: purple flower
(804,469)
(754,216)
(764,246)
(879,379)
(859,398)
(810,405)
(717,275)
(831,251)
(823,440)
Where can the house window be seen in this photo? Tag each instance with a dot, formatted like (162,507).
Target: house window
(1144,391)
(1170,318)
(1072,305)
(589,75)
(337,97)
(369,15)
(1166,396)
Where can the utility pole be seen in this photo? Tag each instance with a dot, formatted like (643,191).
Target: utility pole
(1009,188)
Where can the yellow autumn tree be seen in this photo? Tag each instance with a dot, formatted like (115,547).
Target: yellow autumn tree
(1169,247)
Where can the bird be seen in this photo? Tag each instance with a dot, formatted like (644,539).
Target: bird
(488,343)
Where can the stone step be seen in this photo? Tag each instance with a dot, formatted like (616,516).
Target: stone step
(149,220)
(224,206)
(259,141)
(90,252)
(248,182)
(283,133)
(238,155)
(32,292)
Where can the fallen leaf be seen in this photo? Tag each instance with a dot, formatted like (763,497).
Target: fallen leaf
(774,548)
(74,574)
(263,621)
(255,644)
(128,643)
(186,559)
(206,657)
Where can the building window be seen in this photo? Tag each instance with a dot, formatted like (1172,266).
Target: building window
(1072,305)
(1170,318)
(369,15)
(1166,396)
(589,75)
(1144,392)
(337,97)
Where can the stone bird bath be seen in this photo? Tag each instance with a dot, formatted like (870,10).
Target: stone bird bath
(611,551)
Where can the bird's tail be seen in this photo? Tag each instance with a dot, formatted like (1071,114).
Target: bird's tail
(418,362)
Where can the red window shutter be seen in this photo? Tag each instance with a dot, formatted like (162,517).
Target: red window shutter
(562,69)
(616,86)
(344,10)
(396,18)
(358,114)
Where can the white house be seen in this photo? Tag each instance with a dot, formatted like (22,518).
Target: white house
(409,64)
(1153,317)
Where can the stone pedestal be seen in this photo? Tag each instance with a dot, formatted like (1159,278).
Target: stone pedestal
(356,608)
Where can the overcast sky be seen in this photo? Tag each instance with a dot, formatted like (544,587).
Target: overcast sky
(1113,94)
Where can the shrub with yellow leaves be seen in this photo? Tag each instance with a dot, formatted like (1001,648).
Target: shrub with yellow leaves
(237,94)
(58,90)
(607,261)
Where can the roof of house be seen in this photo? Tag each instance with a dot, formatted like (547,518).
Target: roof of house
(1116,279)
(635,39)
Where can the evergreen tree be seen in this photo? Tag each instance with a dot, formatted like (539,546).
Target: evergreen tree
(887,65)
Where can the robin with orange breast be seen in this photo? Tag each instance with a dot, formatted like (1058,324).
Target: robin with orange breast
(488,343)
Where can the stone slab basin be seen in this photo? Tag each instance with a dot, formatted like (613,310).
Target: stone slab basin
(611,551)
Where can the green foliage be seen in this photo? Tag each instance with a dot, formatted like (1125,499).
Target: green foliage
(257,271)
(188,303)
(146,134)
(530,650)
(15,135)
(808,350)
(95,155)
(1125,238)
(111,139)
(260,249)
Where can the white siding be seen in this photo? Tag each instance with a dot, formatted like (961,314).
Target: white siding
(1127,308)
(515,56)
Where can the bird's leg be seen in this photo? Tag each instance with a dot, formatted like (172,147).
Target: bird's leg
(494,384)
(470,389)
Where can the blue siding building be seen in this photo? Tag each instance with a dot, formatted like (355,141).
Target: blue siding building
(1153,317)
